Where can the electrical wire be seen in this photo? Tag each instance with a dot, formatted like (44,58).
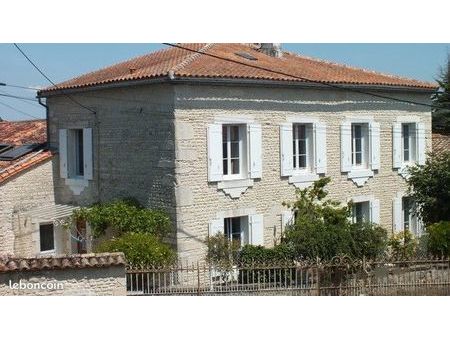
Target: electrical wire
(304,78)
(19,97)
(18,110)
(49,80)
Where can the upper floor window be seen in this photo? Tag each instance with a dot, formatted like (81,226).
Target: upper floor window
(408,143)
(233,151)
(302,146)
(75,152)
(303,149)
(360,149)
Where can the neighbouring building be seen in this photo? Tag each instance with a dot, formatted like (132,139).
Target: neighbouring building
(207,133)
(441,141)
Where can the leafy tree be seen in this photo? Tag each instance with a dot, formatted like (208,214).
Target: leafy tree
(441,99)
(322,228)
(429,187)
(438,243)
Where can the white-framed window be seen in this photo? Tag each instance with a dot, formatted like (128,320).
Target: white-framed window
(408,143)
(75,153)
(234,154)
(405,216)
(360,145)
(361,212)
(360,149)
(303,150)
(46,238)
(244,229)
(302,147)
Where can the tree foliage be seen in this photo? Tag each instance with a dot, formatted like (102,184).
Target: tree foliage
(429,187)
(438,243)
(441,100)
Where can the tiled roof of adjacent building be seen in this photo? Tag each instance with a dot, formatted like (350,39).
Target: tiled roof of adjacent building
(175,62)
(441,142)
(16,134)
(78,261)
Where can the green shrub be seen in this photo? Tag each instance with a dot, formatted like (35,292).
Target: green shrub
(251,254)
(124,216)
(140,249)
(438,235)
(221,251)
(403,245)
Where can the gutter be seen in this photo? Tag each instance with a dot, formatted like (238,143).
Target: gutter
(47,121)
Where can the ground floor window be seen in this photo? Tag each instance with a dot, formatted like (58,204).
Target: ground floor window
(47,237)
(361,212)
(409,217)
(236,229)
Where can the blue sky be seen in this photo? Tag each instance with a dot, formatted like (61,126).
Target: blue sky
(64,61)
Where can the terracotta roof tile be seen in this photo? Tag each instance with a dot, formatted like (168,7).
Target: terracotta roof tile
(80,261)
(441,142)
(25,163)
(181,63)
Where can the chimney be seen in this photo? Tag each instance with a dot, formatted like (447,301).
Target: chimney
(271,49)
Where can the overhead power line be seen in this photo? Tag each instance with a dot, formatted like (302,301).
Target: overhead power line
(19,97)
(49,80)
(22,87)
(335,86)
(18,110)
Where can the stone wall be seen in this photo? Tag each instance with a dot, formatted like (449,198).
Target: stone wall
(25,191)
(76,275)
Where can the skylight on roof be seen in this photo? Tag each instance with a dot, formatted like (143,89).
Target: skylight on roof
(246,56)
(13,154)
(4,147)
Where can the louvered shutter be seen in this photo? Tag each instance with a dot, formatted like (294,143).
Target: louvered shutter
(375,211)
(286,149)
(215,156)
(320,135)
(256,229)
(397,214)
(216,226)
(255,163)
(397,145)
(420,137)
(375,145)
(87,153)
(346,147)
(63,170)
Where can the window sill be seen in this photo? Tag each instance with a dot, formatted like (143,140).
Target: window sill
(47,253)
(77,184)
(360,176)
(303,180)
(234,188)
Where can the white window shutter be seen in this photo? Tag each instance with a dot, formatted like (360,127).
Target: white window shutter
(286,150)
(255,136)
(87,153)
(287,218)
(420,137)
(320,138)
(256,229)
(375,145)
(216,226)
(63,171)
(397,145)
(346,147)
(397,214)
(375,211)
(215,156)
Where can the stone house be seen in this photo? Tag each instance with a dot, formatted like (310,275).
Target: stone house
(219,135)
(26,182)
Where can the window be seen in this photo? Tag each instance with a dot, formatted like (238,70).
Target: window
(47,238)
(361,212)
(248,229)
(409,218)
(76,156)
(233,229)
(408,142)
(302,146)
(233,137)
(359,145)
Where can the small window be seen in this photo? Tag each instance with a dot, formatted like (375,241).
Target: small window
(233,150)
(76,155)
(47,238)
(302,146)
(408,142)
(361,212)
(235,229)
(360,145)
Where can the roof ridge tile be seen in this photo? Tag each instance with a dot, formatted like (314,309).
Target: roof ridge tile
(188,60)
